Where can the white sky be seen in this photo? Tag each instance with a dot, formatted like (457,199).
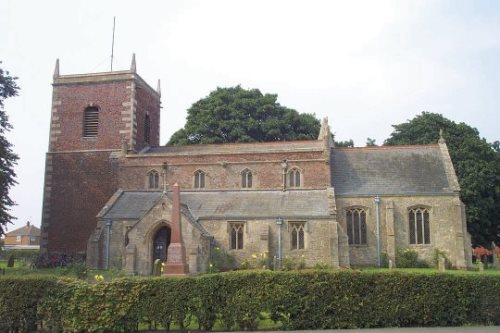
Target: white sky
(364,64)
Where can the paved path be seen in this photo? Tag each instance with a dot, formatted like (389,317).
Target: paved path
(467,329)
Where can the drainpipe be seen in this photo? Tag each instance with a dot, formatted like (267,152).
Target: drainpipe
(377,232)
(279,222)
(108,239)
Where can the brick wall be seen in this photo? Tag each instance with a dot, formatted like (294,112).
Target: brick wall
(81,185)
(224,171)
(113,101)
(147,103)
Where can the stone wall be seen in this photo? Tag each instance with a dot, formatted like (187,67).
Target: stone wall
(321,240)
(446,227)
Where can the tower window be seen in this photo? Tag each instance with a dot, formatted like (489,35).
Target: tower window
(90,122)
(147,129)
(199,179)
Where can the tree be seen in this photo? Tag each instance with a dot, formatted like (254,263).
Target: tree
(8,88)
(476,162)
(240,115)
(370,142)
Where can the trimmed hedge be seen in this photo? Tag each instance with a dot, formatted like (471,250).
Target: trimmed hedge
(298,300)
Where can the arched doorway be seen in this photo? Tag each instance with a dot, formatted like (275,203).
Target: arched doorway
(161,241)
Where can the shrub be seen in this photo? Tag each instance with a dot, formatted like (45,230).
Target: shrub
(407,258)
(437,254)
(299,300)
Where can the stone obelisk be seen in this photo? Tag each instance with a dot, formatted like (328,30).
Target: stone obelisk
(176,256)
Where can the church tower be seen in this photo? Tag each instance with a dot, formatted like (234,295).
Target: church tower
(94,118)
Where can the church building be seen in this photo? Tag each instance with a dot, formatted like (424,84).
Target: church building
(115,196)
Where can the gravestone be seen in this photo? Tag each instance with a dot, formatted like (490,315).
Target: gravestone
(481,266)
(157,267)
(442,264)
(390,264)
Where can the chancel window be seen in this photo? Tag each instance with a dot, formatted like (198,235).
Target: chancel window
(246,178)
(419,226)
(297,235)
(90,122)
(236,235)
(294,178)
(199,179)
(356,226)
(153,179)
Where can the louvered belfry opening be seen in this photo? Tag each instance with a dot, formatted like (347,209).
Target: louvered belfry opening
(90,122)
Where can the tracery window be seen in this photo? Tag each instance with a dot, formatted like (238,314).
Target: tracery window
(153,179)
(294,178)
(419,226)
(199,179)
(356,226)
(90,122)
(297,235)
(246,178)
(236,235)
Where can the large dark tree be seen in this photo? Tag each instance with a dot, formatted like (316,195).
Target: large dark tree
(8,88)
(476,162)
(240,115)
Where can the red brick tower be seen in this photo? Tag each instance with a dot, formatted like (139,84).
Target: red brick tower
(93,117)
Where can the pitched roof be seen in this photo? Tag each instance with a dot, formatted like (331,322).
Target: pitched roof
(389,170)
(229,204)
(231,148)
(132,205)
(27,230)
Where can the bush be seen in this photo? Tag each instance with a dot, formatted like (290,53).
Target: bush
(299,300)
(407,258)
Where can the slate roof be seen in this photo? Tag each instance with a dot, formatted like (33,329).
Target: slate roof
(231,148)
(229,204)
(395,170)
(27,230)
(132,205)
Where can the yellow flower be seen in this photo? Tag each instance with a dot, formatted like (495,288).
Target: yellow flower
(254,256)
(210,265)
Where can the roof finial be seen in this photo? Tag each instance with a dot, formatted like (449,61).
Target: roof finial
(132,66)
(158,88)
(441,138)
(56,70)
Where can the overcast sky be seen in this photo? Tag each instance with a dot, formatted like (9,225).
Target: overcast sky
(364,64)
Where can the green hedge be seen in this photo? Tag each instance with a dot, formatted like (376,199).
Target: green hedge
(297,300)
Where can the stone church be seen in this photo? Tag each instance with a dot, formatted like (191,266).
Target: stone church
(115,196)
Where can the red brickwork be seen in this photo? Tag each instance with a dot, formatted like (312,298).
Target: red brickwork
(147,104)
(114,116)
(224,171)
(80,176)
(81,185)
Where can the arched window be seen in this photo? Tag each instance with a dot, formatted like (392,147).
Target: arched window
(297,235)
(356,226)
(246,178)
(153,179)
(199,179)
(90,122)
(294,178)
(236,235)
(147,129)
(419,227)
